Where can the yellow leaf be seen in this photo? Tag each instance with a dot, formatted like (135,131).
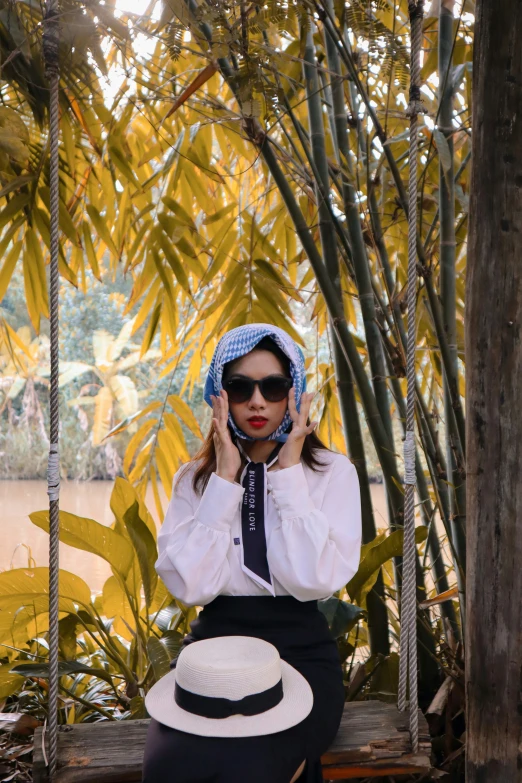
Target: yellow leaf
(29,587)
(102,415)
(178,210)
(165,474)
(9,683)
(125,393)
(221,250)
(101,228)
(89,536)
(151,329)
(185,414)
(195,187)
(64,218)
(116,605)
(13,208)
(14,136)
(9,266)
(173,259)
(35,282)
(157,499)
(137,438)
(89,249)
(120,342)
(220,214)
(141,462)
(268,270)
(176,433)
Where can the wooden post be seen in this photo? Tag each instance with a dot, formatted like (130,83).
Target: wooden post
(494,401)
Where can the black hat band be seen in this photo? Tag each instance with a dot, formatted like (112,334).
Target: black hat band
(218,707)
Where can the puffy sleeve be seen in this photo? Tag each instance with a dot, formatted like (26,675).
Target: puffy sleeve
(315,551)
(194,539)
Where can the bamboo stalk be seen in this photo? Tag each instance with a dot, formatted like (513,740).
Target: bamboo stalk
(360,260)
(427,512)
(378,620)
(456,483)
(361,264)
(344,52)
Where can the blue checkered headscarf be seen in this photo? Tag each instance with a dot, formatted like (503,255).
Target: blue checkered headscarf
(239,341)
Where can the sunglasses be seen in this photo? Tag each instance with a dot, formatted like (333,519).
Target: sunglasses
(274,388)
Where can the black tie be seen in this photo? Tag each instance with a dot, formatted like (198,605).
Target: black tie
(253,509)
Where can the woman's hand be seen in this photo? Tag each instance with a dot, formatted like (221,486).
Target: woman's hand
(228,458)
(290,453)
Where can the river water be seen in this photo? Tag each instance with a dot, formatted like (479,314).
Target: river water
(20,539)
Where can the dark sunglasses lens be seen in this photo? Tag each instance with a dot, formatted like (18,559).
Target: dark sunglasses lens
(239,389)
(275,389)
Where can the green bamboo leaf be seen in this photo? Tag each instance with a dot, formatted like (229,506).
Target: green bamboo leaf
(126,509)
(16,183)
(269,295)
(268,270)
(341,615)
(64,218)
(158,657)
(377,556)
(13,207)
(122,164)
(178,210)
(151,330)
(172,641)
(443,149)
(64,667)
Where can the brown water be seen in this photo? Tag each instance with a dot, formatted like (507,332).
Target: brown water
(20,539)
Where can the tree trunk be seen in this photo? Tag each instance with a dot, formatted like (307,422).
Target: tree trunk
(494,401)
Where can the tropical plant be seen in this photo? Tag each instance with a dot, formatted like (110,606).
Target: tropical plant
(115,645)
(256,168)
(24,364)
(116,393)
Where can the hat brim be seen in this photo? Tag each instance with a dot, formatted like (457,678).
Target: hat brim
(295,705)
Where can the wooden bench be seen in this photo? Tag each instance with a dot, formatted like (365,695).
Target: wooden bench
(373,741)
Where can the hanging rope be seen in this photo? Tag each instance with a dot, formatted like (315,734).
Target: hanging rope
(408,639)
(52,68)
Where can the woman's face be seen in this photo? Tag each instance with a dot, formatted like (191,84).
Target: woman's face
(257,365)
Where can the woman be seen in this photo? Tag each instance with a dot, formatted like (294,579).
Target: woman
(264,511)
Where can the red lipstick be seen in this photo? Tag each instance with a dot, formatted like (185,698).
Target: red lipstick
(257,421)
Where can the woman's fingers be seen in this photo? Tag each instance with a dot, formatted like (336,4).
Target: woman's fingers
(224,405)
(220,410)
(217,414)
(292,409)
(306,401)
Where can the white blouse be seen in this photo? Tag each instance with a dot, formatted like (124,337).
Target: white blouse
(312,527)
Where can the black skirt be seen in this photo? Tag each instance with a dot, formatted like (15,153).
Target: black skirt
(300,633)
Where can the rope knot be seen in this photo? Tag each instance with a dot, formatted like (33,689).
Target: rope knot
(415,105)
(415,10)
(409,458)
(51,43)
(53,472)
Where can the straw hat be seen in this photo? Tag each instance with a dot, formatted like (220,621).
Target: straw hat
(230,686)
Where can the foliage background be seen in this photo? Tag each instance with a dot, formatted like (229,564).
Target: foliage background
(246,163)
